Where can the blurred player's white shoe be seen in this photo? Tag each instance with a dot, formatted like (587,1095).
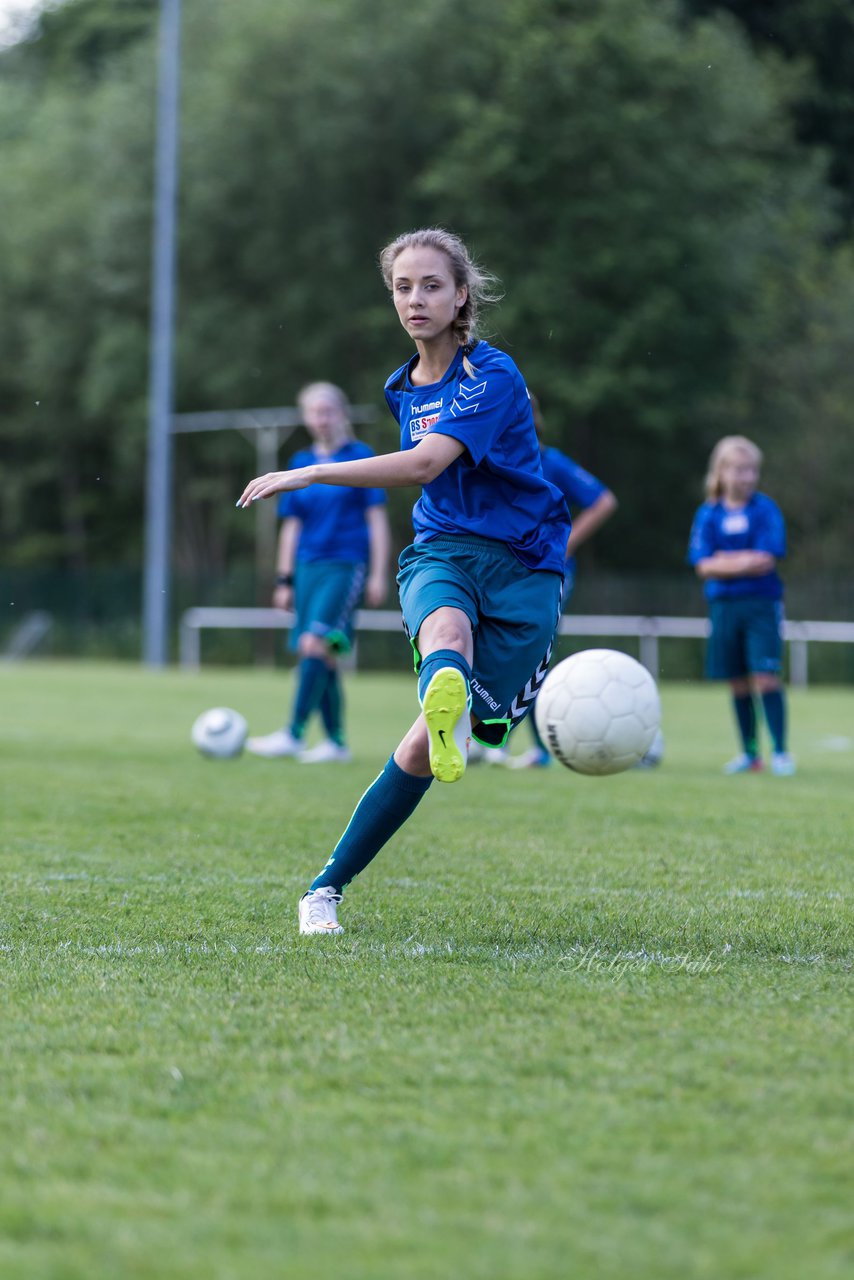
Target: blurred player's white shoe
(744,764)
(654,754)
(479,754)
(326,752)
(280,743)
(317,911)
(536,758)
(782,764)
(446,713)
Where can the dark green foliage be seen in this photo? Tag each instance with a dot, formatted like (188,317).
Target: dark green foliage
(673,259)
(83,37)
(818,34)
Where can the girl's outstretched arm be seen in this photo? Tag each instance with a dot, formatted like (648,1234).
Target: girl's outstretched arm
(416,466)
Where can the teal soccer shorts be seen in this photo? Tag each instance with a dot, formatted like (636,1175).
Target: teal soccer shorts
(326,595)
(746,638)
(513,612)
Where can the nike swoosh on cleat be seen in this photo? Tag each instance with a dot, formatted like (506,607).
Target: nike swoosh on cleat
(442,736)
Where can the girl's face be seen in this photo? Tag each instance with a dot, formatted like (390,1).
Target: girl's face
(326,421)
(426,297)
(739,477)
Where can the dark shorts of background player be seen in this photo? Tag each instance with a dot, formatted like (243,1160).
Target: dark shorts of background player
(326,595)
(513,612)
(746,638)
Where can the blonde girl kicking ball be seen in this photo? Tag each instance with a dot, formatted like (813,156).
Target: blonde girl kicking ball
(480,587)
(737,539)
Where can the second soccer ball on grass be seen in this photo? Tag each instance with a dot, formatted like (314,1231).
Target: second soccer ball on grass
(598,711)
(220,733)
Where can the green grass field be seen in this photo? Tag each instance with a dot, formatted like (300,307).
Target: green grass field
(575,1027)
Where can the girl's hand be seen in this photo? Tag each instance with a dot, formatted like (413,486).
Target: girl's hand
(376,589)
(274,482)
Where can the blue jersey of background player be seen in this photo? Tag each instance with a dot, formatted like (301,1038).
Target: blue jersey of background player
(591,504)
(589,500)
(332,519)
(480,586)
(333,546)
(737,538)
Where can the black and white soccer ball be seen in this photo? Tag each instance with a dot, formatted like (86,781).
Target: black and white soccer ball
(598,711)
(220,732)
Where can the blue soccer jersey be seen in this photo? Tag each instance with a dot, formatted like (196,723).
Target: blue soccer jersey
(496,488)
(578,486)
(757,526)
(333,516)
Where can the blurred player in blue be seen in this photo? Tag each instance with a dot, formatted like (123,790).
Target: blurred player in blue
(591,503)
(738,537)
(481,585)
(333,548)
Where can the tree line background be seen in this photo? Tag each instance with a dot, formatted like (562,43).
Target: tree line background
(666,190)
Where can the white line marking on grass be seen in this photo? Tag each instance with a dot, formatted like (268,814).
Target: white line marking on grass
(794,895)
(578,957)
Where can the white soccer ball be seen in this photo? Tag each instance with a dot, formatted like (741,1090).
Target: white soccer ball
(220,732)
(598,712)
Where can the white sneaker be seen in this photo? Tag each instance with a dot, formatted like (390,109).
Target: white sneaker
(535,758)
(317,911)
(280,743)
(327,752)
(782,764)
(479,754)
(744,764)
(446,713)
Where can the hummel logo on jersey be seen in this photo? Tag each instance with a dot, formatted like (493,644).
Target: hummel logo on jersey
(467,399)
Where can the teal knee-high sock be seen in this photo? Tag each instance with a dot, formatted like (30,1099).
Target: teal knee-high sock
(745,718)
(384,808)
(332,707)
(435,661)
(774,706)
(312,681)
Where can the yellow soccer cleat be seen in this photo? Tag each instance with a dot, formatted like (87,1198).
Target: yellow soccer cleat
(446,712)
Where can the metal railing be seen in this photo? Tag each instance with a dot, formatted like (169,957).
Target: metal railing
(648,631)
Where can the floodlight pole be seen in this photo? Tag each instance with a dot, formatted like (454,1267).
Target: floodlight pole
(156,589)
